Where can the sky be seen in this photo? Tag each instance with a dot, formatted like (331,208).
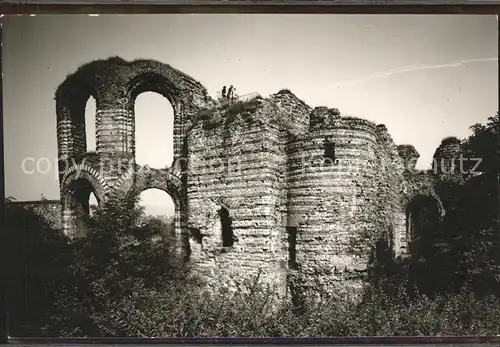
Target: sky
(425,77)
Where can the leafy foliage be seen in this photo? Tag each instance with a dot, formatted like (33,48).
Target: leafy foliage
(122,254)
(463,250)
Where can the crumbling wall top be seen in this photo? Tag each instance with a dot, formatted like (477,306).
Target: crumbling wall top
(290,112)
(449,147)
(127,79)
(449,150)
(323,116)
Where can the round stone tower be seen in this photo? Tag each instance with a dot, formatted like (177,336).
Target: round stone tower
(330,188)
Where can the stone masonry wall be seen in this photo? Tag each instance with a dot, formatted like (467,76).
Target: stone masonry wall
(50,210)
(236,166)
(389,210)
(298,217)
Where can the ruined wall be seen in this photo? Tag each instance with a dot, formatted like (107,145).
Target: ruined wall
(234,163)
(269,187)
(114,83)
(446,159)
(298,215)
(327,199)
(389,211)
(49,210)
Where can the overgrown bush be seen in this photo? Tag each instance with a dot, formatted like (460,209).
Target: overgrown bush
(38,258)
(122,282)
(125,279)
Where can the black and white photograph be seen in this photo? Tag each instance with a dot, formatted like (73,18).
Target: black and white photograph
(251,175)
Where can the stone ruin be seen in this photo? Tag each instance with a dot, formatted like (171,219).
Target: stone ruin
(302,197)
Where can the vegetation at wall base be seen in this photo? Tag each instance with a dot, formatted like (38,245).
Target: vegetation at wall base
(124,278)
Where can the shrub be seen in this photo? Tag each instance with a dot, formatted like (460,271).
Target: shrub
(119,281)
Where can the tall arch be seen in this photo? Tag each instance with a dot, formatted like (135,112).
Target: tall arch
(157,82)
(153,129)
(71,98)
(225,220)
(186,95)
(93,203)
(77,185)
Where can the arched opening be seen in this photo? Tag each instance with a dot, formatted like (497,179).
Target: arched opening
(154,130)
(159,211)
(422,223)
(226,227)
(78,204)
(90,130)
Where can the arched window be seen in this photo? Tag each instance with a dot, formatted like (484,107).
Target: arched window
(154,130)
(90,123)
(78,202)
(329,154)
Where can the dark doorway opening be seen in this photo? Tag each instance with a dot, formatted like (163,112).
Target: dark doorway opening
(292,247)
(226,227)
(81,196)
(422,215)
(330,151)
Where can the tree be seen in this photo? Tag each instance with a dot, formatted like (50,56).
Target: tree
(483,145)
(119,258)
(463,249)
(39,257)
(482,208)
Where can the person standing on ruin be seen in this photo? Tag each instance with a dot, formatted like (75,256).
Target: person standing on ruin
(224,92)
(230,92)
